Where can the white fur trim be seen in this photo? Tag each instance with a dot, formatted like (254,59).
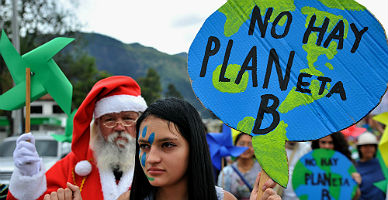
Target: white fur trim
(83,168)
(119,103)
(110,189)
(27,187)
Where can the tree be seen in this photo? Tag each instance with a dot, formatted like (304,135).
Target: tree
(150,86)
(172,92)
(81,70)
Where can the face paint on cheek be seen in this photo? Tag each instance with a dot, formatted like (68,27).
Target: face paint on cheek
(143,159)
(150,178)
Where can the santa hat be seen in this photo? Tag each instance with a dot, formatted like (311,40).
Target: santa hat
(110,95)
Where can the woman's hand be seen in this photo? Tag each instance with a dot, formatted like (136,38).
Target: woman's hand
(269,193)
(357,177)
(72,192)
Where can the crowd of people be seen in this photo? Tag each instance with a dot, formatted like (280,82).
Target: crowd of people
(124,149)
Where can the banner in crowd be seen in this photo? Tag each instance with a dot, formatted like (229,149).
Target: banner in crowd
(324,174)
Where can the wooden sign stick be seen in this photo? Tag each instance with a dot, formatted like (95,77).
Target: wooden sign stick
(263,178)
(28,96)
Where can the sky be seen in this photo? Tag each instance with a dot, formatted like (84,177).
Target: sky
(169,26)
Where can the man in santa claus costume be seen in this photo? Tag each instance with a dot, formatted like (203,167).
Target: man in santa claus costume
(102,158)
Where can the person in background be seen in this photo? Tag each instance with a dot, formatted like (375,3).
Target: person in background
(172,156)
(102,159)
(373,126)
(336,141)
(238,178)
(369,168)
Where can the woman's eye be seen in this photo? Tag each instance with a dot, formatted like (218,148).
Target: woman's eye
(168,145)
(144,146)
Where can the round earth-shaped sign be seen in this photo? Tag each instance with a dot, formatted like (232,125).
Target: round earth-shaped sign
(324,174)
(304,67)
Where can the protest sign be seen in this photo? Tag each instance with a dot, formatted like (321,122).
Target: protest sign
(324,174)
(289,70)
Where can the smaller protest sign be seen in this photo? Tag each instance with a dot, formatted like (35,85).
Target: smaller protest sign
(324,174)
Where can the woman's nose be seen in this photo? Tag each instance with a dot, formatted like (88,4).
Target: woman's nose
(153,156)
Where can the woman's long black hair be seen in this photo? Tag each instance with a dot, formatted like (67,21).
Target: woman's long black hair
(340,144)
(199,172)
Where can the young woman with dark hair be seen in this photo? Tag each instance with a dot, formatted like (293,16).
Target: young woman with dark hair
(172,157)
(185,126)
(239,177)
(337,142)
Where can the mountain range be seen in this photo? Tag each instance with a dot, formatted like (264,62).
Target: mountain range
(134,60)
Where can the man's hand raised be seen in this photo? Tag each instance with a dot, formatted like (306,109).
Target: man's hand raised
(25,156)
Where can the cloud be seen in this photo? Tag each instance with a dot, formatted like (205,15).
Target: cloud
(187,20)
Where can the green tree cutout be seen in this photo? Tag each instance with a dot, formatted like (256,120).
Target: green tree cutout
(150,85)
(172,92)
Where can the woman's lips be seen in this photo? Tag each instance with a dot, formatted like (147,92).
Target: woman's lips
(155,171)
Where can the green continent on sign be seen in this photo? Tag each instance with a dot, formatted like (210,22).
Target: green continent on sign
(300,169)
(334,190)
(314,51)
(238,11)
(304,197)
(318,155)
(295,99)
(246,125)
(351,170)
(231,73)
(343,5)
(321,15)
(329,65)
(271,154)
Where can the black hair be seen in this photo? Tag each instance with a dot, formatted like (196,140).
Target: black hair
(199,172)
(360,153)
(340,144)
(239,136)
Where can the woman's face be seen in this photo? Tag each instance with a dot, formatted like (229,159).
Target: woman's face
(368,151)
(164,153)
(326,143)
(246,141)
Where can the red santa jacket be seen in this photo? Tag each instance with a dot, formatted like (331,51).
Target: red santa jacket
(97,185)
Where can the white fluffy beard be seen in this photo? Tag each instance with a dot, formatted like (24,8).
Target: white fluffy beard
(109,154)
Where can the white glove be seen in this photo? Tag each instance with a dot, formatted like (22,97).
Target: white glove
(25,156)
